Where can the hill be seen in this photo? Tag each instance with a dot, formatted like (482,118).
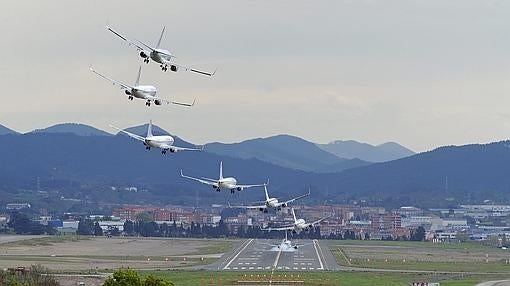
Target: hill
(74,128)
(285,151)
(353,149)
(4,130)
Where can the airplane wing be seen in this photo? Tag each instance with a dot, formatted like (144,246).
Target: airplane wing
(114,82)
(134,136)
(172,102)
(131,43)
(250,186)
(203,181)
(296,198)
(318,221)
(193,69)
(176,148)
(278,228)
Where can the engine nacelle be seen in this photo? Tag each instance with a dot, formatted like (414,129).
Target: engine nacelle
(284,205)
(295,246)
(157,102)
(143,55)
(172,150)
(173,68)
(239,189)
(128,92)
(261,209)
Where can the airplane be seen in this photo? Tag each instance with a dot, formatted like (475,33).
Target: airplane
(298,225)
(228,183)
(286,245)
(163,142)
(147,92)
(162,56)
(271,203)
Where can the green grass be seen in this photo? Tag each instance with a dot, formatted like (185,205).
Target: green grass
(215,247)
(200,278)
(413,244)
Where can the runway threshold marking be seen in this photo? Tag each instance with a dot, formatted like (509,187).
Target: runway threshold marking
(317,252)
(239,252)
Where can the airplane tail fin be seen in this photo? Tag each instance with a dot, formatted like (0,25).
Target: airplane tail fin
(149,129)
(160,37)
(221,170)
(265,190)
(137,82)
(293,214)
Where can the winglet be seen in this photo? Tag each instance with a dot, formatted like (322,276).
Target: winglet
(182,175)
(266,184)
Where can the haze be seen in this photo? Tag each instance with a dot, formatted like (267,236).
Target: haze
(421,73)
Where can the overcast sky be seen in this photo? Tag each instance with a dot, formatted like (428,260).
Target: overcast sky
(421,73)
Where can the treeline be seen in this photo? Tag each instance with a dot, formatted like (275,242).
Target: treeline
(20,223)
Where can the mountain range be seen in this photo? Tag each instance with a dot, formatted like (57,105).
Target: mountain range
(355,150)
(85,166)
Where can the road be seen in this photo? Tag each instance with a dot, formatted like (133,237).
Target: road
(495,283)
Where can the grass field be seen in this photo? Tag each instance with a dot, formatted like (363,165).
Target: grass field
(196,278)
(405,255)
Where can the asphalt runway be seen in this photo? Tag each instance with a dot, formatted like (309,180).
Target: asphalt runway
(263,255)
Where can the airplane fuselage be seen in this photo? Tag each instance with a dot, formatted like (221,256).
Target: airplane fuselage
(162,142)
(272,203)
(161,56)
(227,183)
(143,91)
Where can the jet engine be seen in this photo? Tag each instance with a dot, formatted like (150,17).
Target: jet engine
(239,189)
(173,68)
(127,92)
(172,150)
(157,102)
(143,55)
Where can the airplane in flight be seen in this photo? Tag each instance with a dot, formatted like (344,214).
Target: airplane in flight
(228,183)
(298,225)
(163,142)
(271,203)
(285,246)
(145,92)
(161,56)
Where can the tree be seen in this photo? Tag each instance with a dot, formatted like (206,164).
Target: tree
(127,277)
(129,227)
(418,234)
(85,227)
(98,231)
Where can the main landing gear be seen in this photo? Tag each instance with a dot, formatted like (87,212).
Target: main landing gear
(163,152)
(147,147)
(130,97)
(163,67)
(146,60)
(148,103)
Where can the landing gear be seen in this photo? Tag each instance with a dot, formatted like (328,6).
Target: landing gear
(130,97)
(146,60)
(148,103)
(163,67)
(232,191)
(147,147)
(163,152)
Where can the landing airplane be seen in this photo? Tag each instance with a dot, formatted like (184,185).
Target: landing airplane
(147,92)
(163,142)
(298,225)
(286,245)
(162,56)
(229,183)
(271,203)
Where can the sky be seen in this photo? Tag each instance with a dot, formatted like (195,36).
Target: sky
(421,73)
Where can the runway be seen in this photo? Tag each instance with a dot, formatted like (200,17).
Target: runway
(264,255)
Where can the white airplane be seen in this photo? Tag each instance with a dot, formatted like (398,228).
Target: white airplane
(285,246)
(162,56)
(229,183)
(271,203)
(298,225)
(147,92)
(163,142)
